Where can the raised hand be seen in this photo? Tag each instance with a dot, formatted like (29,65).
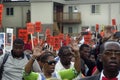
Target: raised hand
(79,37)
(37,51)
(76,54)
(75,48)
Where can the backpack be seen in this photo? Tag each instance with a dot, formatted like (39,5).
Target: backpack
(1,68)
(5,59)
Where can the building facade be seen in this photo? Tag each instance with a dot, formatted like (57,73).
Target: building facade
(66,16)
(15,15)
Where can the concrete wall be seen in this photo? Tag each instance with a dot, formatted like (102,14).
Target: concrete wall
(91,1)
(19,17)
(108,11)
(43,12)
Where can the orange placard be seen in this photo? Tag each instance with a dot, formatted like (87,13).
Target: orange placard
(22,33)
(1,10)
(97,27)
(35,41)
(57,40)
(68,40)
(38,27)
(1,7)
(56,45)
(61,36)
(47,32)
(0,19)
(52,41)
(48,39)
(113,22)
(30,28)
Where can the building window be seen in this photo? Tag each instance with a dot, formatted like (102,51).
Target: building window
(70,30)
(9,11)
(75,9)
(28,16)
(84,28)
(92,28)
(95,9)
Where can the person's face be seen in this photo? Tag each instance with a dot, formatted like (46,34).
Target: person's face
(111,57)
(66,57)
(49,65)
(18,49)
(85,53)
(92,58)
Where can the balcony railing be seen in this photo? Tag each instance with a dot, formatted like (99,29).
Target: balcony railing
(67,17)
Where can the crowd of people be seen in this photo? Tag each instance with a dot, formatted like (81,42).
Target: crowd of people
(75,61)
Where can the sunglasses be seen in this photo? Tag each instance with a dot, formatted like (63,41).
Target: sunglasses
(51,62)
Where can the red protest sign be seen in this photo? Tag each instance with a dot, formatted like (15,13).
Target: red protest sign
(1,10)
(47,32)
(113,22)
(57,40)
(22,33)
(48,39)
(35,41)
(61,36)
(97,27)
(30,28)
(56,45)
(52,41)
(38,27)
(1,7)
(0,19)
(67,39)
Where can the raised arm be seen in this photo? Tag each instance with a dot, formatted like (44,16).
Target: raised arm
(36,53)
(75,50)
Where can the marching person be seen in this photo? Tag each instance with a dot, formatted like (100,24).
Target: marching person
(14,65)
(48,66)
(110,57)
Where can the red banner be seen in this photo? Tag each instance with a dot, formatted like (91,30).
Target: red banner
(61,36)
(97,27)
(48,39)
(67,39)
(56,47)
(113,22)
(1,11)
(52,41)
(47,32)
(56,43)
(38,27)
(22,33)
(35,41)
(30,28)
